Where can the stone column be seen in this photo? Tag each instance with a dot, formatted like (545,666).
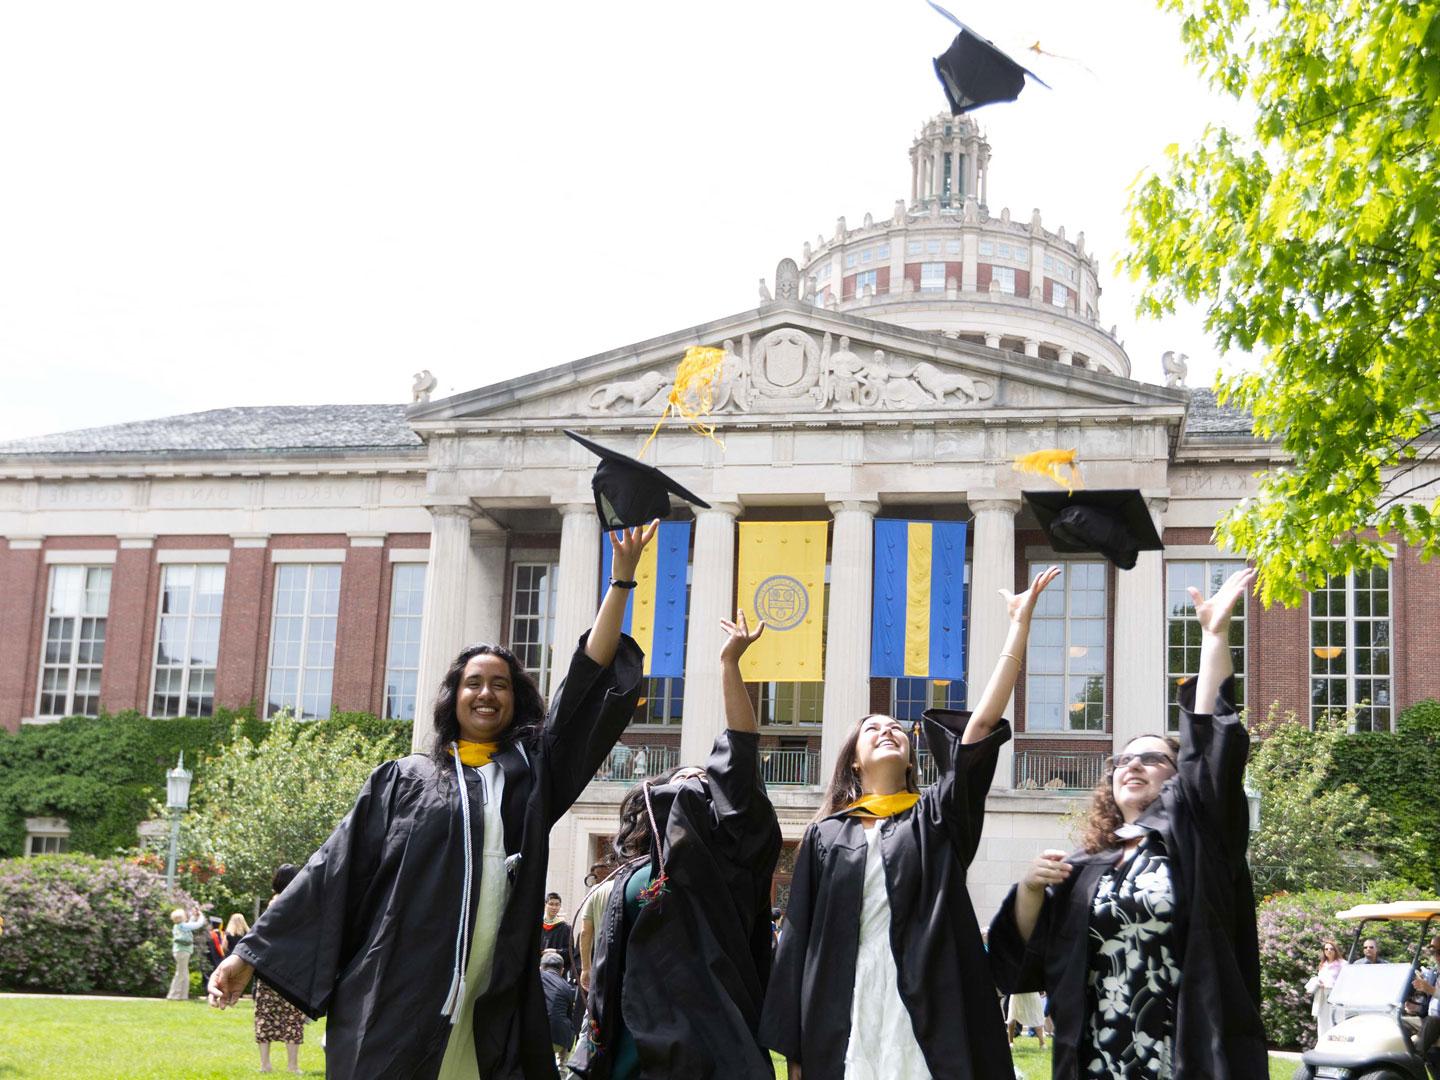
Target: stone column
(957,179)
(1139,625)
(914,177)
(937,171)
(485,603)
(992,569)
(577,588)
(847,625)
(442,631)
(712,598)
(992,341)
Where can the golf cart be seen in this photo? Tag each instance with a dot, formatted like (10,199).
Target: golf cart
(1373,1038)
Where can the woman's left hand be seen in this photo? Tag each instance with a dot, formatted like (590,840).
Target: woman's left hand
(1023,606)
(740,638)
(1214,614)
(626,546)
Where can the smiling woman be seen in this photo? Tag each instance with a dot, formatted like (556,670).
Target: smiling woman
(413,928)
(1160,885)
(907,992)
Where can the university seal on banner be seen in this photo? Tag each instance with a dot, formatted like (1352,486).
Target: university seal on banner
(782,602)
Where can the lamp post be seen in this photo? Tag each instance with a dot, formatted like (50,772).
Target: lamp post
(1252,805)
(177,801)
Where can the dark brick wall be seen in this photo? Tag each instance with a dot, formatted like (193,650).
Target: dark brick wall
(22,592)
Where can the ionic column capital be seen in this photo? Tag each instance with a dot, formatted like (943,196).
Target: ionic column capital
(994,504)
(844,504)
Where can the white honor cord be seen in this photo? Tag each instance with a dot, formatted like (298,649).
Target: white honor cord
(455,999)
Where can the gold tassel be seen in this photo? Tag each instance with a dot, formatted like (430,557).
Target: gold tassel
(693,394)
(1051,463)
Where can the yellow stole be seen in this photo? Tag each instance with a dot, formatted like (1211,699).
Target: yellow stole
(475,753)
(883,806)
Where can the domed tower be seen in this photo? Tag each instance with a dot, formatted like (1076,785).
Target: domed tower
(942,262)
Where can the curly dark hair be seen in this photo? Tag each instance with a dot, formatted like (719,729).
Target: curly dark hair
(632,839)
(529,712)
(844,786)
(1104,816)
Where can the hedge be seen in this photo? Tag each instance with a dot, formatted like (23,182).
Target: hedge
(102,774)
(76,924)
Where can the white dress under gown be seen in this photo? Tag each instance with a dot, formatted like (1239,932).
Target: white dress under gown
(882,1039)
(493,882)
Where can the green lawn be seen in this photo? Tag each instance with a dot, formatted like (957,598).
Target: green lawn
(123,1039)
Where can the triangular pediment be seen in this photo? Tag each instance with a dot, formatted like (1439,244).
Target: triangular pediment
(807,365)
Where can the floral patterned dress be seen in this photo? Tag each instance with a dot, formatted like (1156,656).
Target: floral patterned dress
(1133,977)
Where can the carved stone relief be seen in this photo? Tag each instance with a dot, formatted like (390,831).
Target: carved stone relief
(787,368)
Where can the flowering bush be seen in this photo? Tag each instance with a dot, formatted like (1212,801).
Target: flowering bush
(1292,927)
(76,924)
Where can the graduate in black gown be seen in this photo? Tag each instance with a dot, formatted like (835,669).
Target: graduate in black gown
(425,954)
(1145,939)
(880,973)
(683,947)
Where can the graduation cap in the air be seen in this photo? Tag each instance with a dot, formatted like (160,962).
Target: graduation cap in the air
(974,72)
(629,493)
(1116,524)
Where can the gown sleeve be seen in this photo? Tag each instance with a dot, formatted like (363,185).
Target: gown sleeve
(956,802)
(588,711)
(781,1017)
(743,812)
(302,943)
(1213,751)
(1019,966)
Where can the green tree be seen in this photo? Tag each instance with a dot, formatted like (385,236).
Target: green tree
(1316,832)
(276,800)
(1312,239)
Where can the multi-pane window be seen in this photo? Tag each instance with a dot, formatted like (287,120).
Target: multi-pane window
(532,617)
(302,638)
(1182,631)
(932,277)
(1059,294)
(187,640)
(865,279)
(910,697)
(46,836)
(787,703)
(1065,660)
(1350,648)
(663,702)
(402,653)
(74,649)
(1004,278)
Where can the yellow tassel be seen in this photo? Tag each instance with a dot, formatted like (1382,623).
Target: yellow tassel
(693,395)
(1051,463)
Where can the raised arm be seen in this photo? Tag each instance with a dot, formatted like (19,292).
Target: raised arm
(739,713)
(1007,667)
(1216,663)
(625,548)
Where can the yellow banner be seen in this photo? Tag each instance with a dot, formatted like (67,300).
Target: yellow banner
(782,580)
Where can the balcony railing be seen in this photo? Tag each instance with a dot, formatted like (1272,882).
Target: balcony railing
(1058,770)
(790,767)
(1065,771)
(627,764)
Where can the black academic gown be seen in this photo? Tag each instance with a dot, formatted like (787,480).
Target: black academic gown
(944,979)
(558,937)
(366,931)
(690,977)
(1203,820)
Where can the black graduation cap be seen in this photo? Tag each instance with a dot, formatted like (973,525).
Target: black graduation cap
(1117,524)
(974,72)
(629,493)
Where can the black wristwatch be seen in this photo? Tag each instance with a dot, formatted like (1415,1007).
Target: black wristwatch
(617,583)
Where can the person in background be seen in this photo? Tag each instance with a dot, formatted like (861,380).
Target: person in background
(1320,986)
(1426,981)
(182,947)
(1369,952)
(276,1020)
(555,933)
(559,1002)
(215,946)
(235,928)
(1025,1010)
(600,881)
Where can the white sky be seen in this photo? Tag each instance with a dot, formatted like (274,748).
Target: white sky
(210,204)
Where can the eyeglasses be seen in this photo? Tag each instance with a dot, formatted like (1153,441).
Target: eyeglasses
(1147,757)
